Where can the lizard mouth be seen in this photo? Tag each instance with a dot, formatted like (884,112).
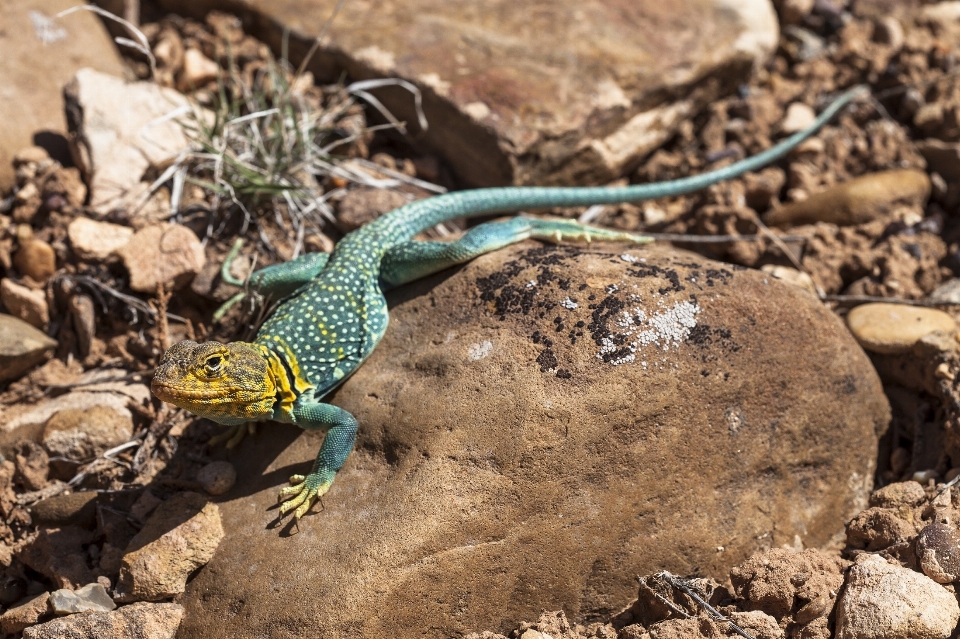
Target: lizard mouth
(171,393)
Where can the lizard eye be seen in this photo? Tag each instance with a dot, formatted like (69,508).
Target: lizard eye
(213,364)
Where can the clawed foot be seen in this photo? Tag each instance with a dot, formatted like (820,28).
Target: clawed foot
(234,434)
(304,491)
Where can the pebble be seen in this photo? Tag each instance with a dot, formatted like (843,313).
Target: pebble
(198,69)
(80,434)
(181,536)
(90,598)
(948,292)
(35,258)
(24,615)
(900,494)
(791,276)
(150,621)
(895,328)
(28,304)
(798,117)
(94,241)
(84,317)
(883,601)
(168,253)
(21,347)
(67,509)
(938,549)
(856,201)
(217,477)
(794,11)
(889,31)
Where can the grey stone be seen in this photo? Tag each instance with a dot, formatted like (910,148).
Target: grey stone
(90,598)
(21,347)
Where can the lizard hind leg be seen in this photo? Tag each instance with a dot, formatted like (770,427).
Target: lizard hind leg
(413,260)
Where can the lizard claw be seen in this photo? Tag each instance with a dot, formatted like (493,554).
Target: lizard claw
(304,492)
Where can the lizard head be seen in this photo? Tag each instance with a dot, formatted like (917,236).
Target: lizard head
(228,383)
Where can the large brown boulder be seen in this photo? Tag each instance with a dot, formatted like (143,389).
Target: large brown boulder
(557,92)
(538,428)
(39,55)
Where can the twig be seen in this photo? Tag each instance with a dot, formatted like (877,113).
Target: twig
(142,44)
(865,299)
(677,582)
(163,331)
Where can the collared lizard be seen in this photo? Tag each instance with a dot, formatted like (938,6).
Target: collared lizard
(333,311)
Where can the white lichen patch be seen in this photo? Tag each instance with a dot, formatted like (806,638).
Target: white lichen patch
(626,257)
(479,351)
(568,303)
(636,329)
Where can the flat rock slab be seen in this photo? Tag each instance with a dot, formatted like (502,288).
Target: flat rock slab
(538,428)
(39,57)
(557,91)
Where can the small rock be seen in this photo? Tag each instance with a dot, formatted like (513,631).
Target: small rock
(856,201)
(84,318)
(33,465)
(794,11)
(30,155)
(903,493)
(883,601)
(894,328)
(25,614)
(97,241)
(116,146)
(181,536)
(938,548)
(21,347)
(948,292)
(365,204)
(82,434)
(144,506)
(35,259)
(73,508)
(26,303)
(942,157)
(791,275)
(60,554)
(217,477)
(91,598)
(943,12)
(64,187)
(150,621)
(798,117)
(198,69)
(889,31)
(167,253)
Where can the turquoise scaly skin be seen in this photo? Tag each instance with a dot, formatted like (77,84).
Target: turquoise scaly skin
(334,312)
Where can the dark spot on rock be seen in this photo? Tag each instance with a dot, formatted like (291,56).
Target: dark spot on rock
(848,384)
(705,373)
(644,271)
(564,374)
(547,360)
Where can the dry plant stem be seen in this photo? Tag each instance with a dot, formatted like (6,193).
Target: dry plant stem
(677,582)
(163,331)
(141,44)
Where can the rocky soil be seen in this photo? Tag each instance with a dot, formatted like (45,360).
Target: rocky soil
(118,518)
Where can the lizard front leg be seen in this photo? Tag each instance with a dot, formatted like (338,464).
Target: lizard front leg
(341,429)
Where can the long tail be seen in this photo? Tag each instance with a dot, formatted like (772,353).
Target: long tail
(400,225)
